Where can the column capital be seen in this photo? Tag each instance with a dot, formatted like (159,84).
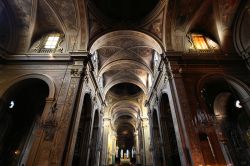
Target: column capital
(136,133)
(79,55)
(106,122)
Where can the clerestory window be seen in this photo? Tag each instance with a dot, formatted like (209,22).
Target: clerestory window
(202,43)
(50,43)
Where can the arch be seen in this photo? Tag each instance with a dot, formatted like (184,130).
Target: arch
(113,65)
(125,102)
(22,118)
(241,87)
(118,119)
(219,94)
(115,82)
(220,104)
(149,40)
(242,90)
(45,78)
(240,32)
(124,108)
(119,114)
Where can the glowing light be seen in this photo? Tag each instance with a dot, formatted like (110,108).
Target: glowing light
(17,152)
(237,104)
(199,42)
(212,44)
(121,153)
(156,56)
(51,56)
(125,132)
(52,42)
(149,80)
(12,104)
(116,152)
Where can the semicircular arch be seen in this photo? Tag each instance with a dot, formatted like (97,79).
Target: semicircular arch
(43,77)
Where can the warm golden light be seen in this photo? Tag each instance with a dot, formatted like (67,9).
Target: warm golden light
(17,152)
(125,132)
(199,42)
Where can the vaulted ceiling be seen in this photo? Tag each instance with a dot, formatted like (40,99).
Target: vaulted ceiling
(125,34)
(22,22)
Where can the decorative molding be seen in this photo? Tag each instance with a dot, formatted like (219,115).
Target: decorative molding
(75,72)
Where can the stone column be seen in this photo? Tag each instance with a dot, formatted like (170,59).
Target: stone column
(113,149)
(105,136)
(137,148)
(147,161)
(99,143)
(187,139)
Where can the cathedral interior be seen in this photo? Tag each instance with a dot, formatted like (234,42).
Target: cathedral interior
(124,82)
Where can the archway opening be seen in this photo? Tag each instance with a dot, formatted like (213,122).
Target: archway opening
(168,133)
(125,142)
(158,155)
(22,107)
(233,123)
(80,155)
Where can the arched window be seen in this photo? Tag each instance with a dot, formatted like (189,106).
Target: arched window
(20,114)
(50,43)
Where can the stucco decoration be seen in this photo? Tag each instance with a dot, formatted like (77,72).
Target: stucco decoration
(141,39)
(156,26)
(125,56)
